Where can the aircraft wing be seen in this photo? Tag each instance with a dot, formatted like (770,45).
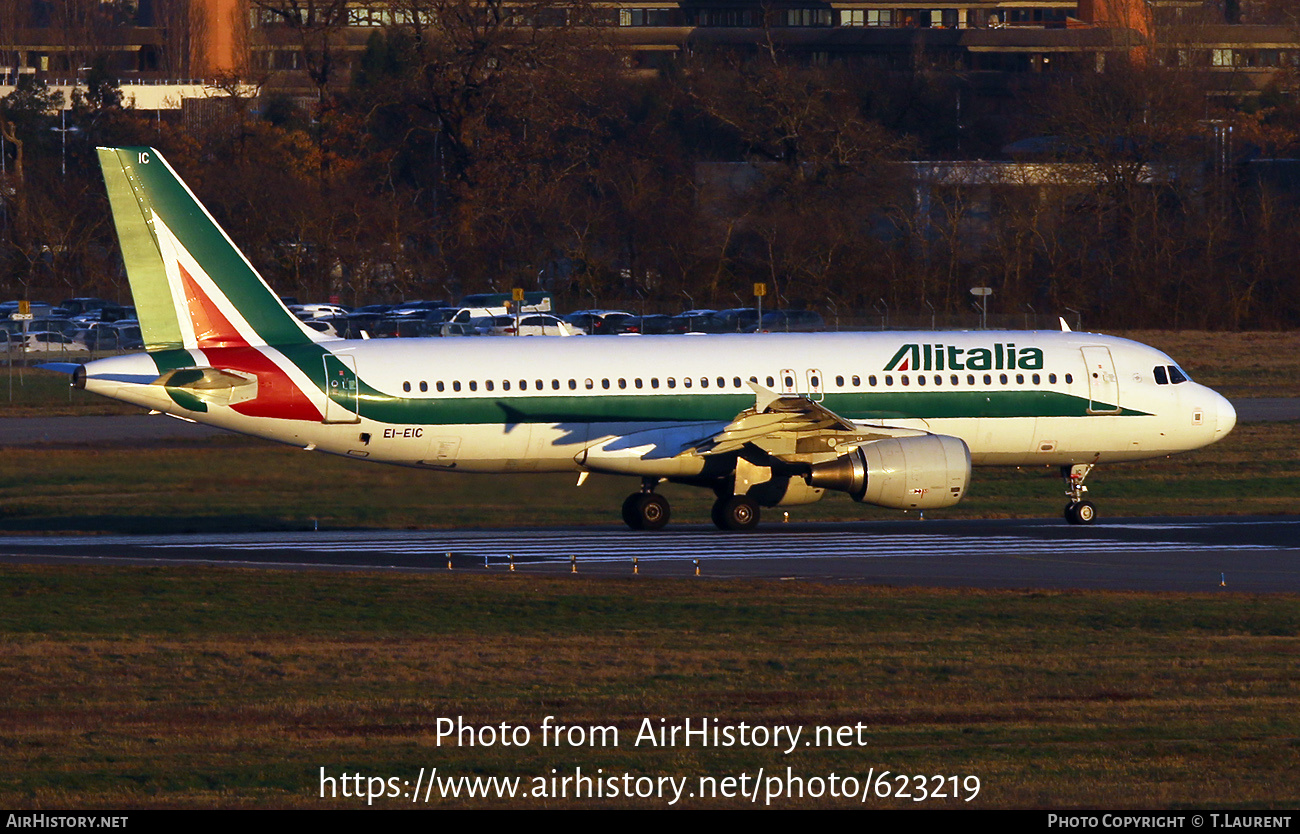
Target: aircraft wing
(786,424)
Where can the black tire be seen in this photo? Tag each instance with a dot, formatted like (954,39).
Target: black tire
(631,515)
(737,512)
(646,511)
(1081,512)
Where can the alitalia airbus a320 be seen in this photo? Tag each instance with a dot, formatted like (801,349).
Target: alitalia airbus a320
(892,419)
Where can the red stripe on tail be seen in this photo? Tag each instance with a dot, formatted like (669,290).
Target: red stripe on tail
(211,328)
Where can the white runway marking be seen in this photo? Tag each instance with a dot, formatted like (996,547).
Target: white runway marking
(617,546)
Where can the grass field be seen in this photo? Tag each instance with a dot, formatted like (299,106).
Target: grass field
(233,483)
(205,687)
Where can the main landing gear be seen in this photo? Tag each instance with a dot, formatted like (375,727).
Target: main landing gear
(1078,511)
(647,509)
(735,512)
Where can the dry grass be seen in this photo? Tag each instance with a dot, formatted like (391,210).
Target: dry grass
(194,688)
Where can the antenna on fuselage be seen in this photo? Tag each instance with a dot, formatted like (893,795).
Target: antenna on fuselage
(1065,328)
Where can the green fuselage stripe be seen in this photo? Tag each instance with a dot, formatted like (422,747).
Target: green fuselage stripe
(700,407)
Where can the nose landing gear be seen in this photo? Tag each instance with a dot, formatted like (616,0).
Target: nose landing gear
(1078,511)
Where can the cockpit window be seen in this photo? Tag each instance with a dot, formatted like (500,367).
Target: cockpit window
(1170,375)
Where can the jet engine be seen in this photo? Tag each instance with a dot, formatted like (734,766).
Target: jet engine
(905,473)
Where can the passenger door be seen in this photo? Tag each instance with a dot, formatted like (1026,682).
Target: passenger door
(1103,383)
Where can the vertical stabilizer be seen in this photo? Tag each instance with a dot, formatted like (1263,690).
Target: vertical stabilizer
(192,287)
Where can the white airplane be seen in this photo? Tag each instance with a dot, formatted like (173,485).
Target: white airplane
(892,419)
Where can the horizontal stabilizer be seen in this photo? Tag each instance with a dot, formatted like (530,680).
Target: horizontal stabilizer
(212,385)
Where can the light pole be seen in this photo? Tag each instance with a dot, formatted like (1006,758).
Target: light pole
(64,130)
(983,293)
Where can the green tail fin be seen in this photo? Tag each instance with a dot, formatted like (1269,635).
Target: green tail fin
(192,286)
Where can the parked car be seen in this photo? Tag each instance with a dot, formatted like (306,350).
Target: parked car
(533,324)
(622,323)
(415,308)
(38,309)
(735,320)
(791,321)
(73,307)
(100,336)
(593,322)
(326,326)
(48,341)
(654,325)
(318,311)
(692,321)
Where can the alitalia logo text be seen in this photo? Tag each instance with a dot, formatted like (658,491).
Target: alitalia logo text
(1000,357)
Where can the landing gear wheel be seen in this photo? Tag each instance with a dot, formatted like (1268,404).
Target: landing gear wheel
(646,511)
(736,512)
(1081,512)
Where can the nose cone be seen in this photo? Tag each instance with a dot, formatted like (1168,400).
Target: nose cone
(1226,417)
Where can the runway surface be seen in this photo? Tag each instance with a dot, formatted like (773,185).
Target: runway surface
(1255,554)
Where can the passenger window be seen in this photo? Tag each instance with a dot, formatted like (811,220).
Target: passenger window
(907,380)
(1051,378)
(704,382)
(770,382)
(938,379)
(604,383)
(955,380)
(871,380)
(988,379)
(487,385)
(839,381)
(889,380)
(622,383)
(687,382)
(589,383)
(1069,379)
(1020,379)
(473,385)
(970,379)
(672,383)
(455,386)
(1037,379)
(654,382)
(637,382)
(555,385)
(573,385)
(505,385)
(1002,378)
(424,387)
(920,379)
(857,381)
(441,387)
(406,386)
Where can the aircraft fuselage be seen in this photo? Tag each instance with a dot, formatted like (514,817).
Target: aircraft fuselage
(631,405)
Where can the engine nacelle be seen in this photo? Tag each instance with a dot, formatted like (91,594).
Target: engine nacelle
(785,492)
(906,473)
